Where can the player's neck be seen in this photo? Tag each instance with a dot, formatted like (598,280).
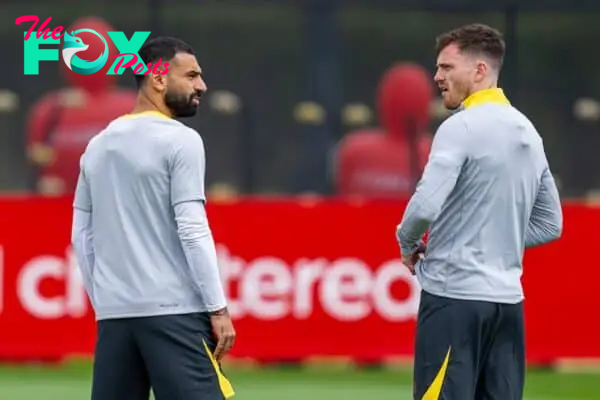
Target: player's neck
(145,104)
(484,86)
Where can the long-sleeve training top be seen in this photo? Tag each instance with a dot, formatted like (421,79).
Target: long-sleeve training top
(140,231)
(486,194)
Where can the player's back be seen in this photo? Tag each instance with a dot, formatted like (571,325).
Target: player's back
(139,262)
(477,242)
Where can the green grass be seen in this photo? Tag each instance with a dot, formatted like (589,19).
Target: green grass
(72,381)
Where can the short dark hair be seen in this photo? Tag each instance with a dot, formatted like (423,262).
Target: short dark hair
(475,39)
(164,48)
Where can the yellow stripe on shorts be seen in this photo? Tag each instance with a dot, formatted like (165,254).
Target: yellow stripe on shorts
(224,384)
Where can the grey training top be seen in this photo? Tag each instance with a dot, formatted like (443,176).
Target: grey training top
(149,255)
(486,193)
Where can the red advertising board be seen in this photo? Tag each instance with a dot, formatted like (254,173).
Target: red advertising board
(304,279)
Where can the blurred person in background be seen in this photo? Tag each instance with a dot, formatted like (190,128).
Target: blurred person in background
(61,123)
(488,193)
(387,162)
(223,191)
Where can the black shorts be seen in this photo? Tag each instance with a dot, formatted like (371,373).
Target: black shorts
(172,354)
(469,350)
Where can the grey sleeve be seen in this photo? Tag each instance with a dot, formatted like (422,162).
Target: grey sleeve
(447,156)
(83,198)
(200,252)
(546,220)
(187,167)
(82,242)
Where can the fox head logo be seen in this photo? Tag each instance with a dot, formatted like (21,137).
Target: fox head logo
(73,45)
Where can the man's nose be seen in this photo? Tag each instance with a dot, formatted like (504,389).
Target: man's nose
(201,86)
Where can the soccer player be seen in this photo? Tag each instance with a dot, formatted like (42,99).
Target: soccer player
(144,246)
(485,195)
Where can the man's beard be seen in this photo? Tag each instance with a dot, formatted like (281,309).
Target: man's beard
(460,94)
(181,105)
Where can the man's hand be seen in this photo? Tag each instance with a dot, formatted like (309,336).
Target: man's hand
(224,332)
(411,259)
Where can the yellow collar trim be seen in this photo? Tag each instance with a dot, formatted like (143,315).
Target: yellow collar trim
(146,114)
(486,96)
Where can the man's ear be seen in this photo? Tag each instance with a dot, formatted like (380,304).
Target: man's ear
(159,82)
(482,68)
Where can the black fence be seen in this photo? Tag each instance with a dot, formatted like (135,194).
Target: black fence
(283,76)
